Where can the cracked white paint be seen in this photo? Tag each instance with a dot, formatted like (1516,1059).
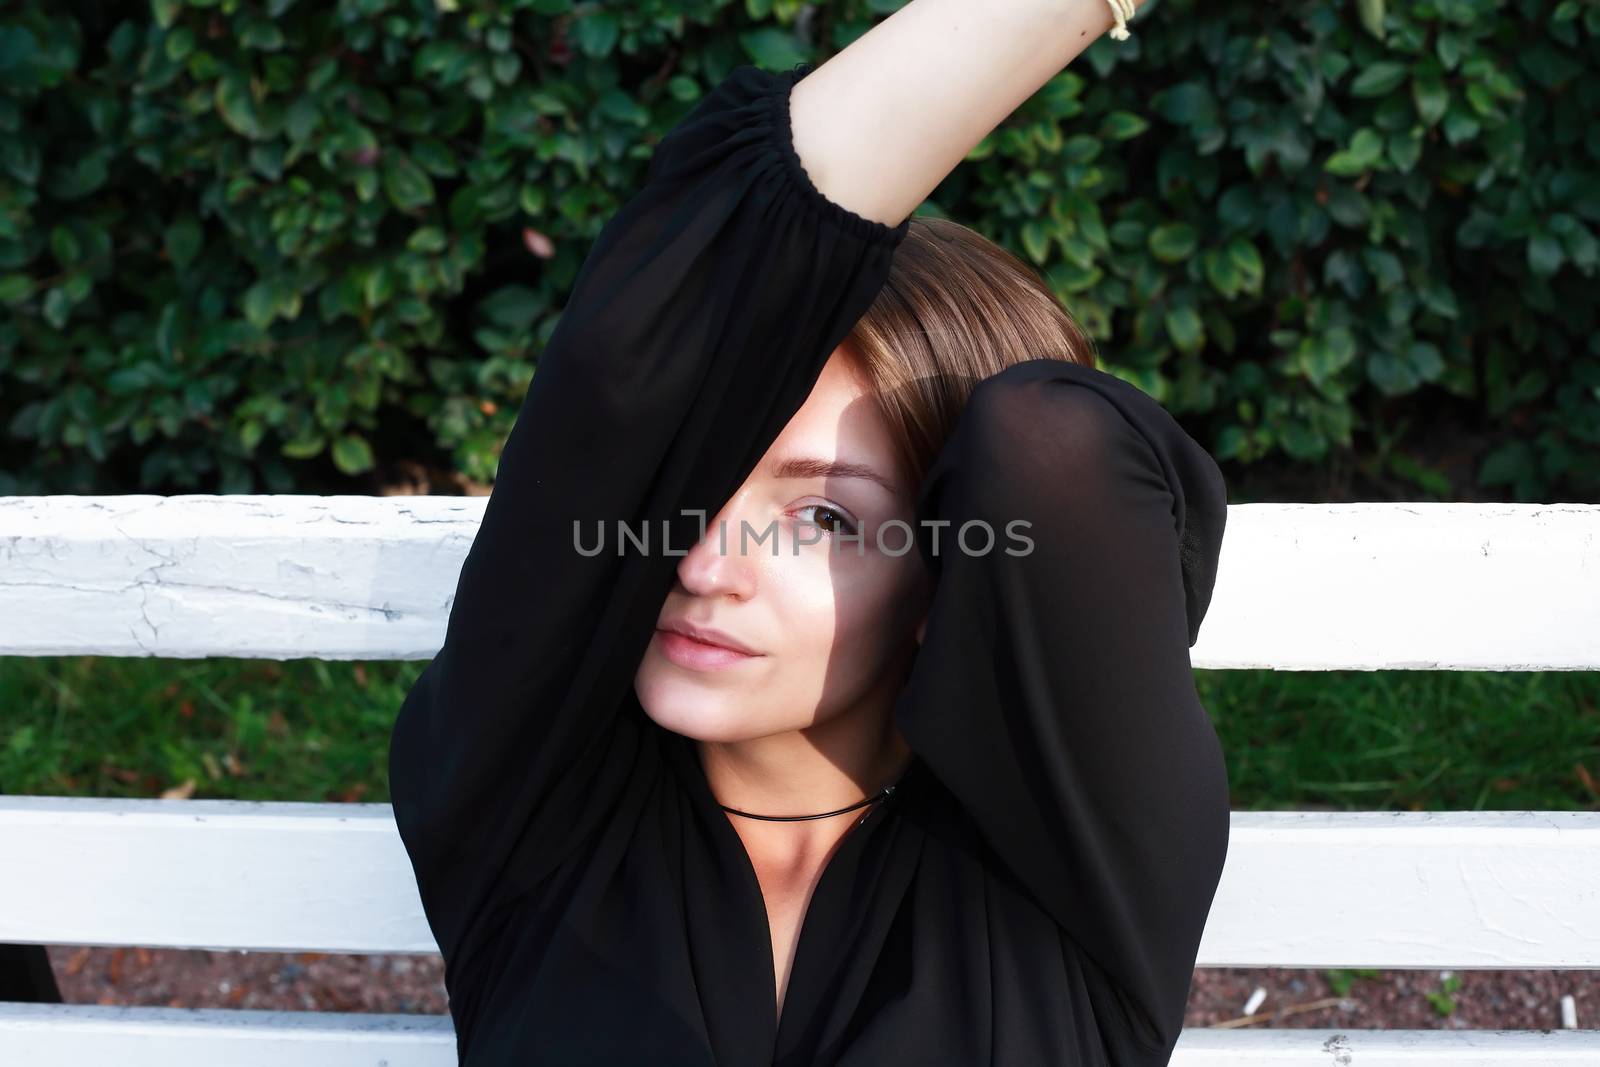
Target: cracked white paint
(272,577)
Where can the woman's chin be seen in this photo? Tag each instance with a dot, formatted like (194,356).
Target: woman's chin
(698,726)
(694,712)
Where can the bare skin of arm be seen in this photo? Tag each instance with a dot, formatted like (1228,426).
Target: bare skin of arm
(879,125)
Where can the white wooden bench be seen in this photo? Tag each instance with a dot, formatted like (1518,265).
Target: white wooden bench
(1301,587)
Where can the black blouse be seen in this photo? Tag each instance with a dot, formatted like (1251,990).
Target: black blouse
(1035,891)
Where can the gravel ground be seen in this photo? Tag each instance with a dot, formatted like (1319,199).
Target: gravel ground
(312,981)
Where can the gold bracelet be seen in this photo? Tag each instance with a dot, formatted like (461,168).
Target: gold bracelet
(1123,11)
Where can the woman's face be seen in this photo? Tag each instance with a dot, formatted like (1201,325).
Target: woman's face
(833,623)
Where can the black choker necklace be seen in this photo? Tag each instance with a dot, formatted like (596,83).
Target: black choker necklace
(885,794)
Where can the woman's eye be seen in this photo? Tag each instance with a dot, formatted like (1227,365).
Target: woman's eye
(840,522)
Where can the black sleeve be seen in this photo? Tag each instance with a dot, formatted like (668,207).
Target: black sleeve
(696,327)
(1053,693)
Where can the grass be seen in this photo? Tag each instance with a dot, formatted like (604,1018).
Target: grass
(237,728)
(318,730)
(1409,740)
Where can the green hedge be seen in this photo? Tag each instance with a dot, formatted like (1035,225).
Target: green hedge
(252,245)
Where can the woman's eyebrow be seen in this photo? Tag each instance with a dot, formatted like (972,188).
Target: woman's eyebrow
(813,467)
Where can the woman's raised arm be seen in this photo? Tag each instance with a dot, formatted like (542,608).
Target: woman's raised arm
(882,123)
(696,327)
(1053,693)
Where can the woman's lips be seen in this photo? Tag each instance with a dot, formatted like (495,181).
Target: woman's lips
(697,655)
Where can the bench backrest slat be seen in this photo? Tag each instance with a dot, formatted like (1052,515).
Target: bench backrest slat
(57,1035)
(71,1035)
(1299,586)
(1304,889)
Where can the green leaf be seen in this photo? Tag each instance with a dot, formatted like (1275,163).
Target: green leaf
(250,433)
(378,285)
(1330,353)
(1036,240)
(1384,266)
(236,106)
(1482,101)
(75,180)
(64,246)
(1424,477)
(57,307)
(1583,251)
(165,11)
(180,42)
(1545,254)
(260,304)
(1511,462)
(1425,360)
(1130,233)
(1459,125)
(1231,442)
(1222,272)
(1379,78)
(1184,327)
(1371,14)
(1188,104)
(21,158)
(513,307)
(1248,260)
(1392,375)
(15,288)
(130,380)
(262,36)
(1366,148)
(597,34)
(1431,98)
(1082,148)
(428,239)
(1078,251)
(1173,242)
(506,67)
(302,119)
(407,184)
(1121,125)
(773,48)
(168,328)
(617,104)
(352,454)
(1346,206)
(1405,149)
(1439,299)
(304,447)
(1448,49)
(435,157)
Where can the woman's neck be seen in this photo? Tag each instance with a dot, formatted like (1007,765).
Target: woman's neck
(804,772)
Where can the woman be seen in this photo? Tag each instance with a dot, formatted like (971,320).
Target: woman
(26,975)
(25,972)
(947,805)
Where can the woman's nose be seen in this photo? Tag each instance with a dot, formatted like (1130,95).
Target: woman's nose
(723,562)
